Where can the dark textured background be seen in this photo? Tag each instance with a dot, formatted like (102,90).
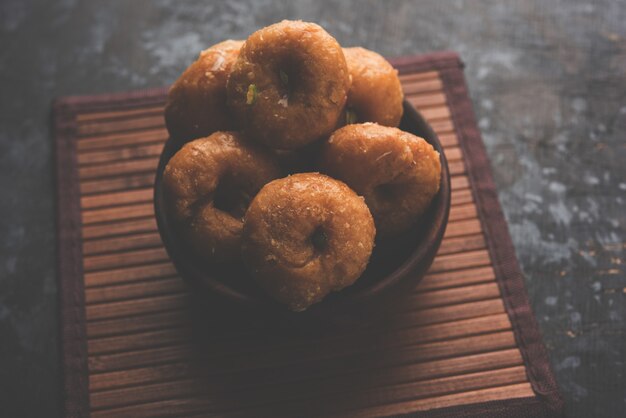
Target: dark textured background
(548,82)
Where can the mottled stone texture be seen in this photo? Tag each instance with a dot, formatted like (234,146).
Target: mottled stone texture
(548,81)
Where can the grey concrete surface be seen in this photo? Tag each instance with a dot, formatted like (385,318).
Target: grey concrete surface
(548,81)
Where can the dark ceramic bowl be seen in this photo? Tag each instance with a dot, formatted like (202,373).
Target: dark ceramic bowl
(396,264)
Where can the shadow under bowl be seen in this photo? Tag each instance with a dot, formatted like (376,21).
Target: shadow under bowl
(396,265)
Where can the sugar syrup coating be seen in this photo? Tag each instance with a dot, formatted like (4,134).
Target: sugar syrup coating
(289,84)
(375,94)
(305,236)
(396,172)
(208,185)
(196,102)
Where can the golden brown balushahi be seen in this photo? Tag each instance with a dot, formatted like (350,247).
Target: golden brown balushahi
(397,172)
(289,84)
(376,93)
(208,185)
(305,236)
(196,103)
(286,89)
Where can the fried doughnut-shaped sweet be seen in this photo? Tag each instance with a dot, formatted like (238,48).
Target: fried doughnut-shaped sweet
(289,84)
(196,102)
(208,185)
(397,172)
(305,236)
(376,93)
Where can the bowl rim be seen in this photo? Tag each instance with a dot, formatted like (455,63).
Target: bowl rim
(418,260)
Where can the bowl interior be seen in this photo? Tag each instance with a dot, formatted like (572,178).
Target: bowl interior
(401,258)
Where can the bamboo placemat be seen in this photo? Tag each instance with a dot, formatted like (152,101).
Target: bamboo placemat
(467,345)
